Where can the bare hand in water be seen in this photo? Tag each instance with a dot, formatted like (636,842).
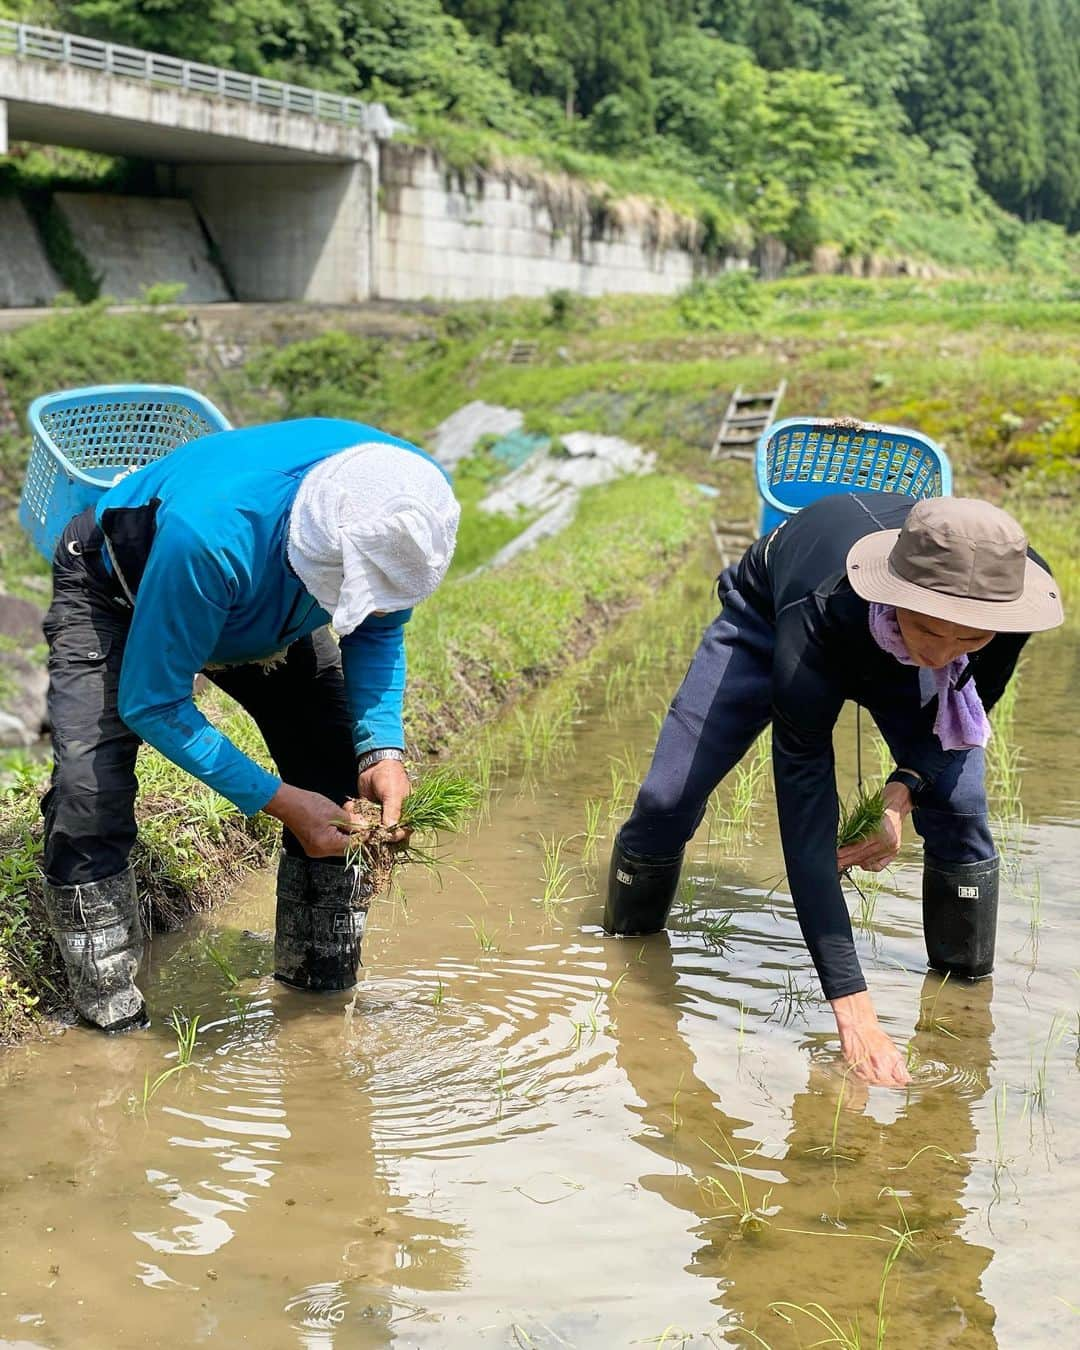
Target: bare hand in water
(871,1053)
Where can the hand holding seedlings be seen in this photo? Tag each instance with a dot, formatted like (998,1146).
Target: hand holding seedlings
(323,828)
(387,784)
(871,831)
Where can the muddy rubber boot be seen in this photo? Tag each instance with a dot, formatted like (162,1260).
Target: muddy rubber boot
(640,892)
(960,902)
(97,929)
(321,908)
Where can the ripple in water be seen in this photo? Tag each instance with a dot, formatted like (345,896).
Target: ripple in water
(448,1073)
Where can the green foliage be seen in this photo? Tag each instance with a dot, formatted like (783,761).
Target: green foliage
(83,347)
(730,301)
(326,376)
(874,126)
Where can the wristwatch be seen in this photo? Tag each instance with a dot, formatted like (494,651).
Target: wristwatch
(372,757)
(910,779)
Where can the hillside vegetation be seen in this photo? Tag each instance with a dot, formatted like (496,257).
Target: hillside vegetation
(946,130)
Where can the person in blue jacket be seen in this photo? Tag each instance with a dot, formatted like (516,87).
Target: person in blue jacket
(231,556)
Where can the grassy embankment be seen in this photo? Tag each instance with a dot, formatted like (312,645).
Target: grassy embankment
(986,367)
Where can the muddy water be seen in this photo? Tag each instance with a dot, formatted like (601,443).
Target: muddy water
(520,1133)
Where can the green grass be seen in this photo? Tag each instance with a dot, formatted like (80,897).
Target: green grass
(484,640)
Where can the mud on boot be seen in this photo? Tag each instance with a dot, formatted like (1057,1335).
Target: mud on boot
(96,926)
(640,892)
(960,903)
(321,908)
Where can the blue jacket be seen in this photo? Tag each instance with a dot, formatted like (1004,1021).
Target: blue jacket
(207,526)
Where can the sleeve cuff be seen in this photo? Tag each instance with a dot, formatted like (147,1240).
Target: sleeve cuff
(254,799)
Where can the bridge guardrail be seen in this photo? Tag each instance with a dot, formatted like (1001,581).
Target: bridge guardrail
(44,44)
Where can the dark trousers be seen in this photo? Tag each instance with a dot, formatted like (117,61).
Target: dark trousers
(724,704)
(299,706)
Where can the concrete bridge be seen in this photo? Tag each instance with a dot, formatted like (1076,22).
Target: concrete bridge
(303,194)
(283,177)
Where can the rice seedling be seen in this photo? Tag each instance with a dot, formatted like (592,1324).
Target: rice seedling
(441,800)
(222,962)
(1037,1091)
(868,888)
(483,937)
(716,931)
(593,813)
(615,688)
(861,817)
(752,1218)
(830,1149)
(928,1019)
(186,1031)
(750,777)
(439,994)
(1001,1161)
(792,1001)
(850,1337)
(556,875)
(240,1006)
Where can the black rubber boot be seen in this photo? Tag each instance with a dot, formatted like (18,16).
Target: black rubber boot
(960,902)
(640,892)
(321,908)
(96,926)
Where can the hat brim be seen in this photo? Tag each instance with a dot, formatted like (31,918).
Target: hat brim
(1036,609)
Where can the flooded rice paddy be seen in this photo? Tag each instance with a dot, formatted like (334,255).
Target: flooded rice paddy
(518,1132)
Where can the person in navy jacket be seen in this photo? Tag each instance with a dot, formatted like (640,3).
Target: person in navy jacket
(231,556)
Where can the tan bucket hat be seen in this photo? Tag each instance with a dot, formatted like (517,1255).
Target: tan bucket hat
(960,559)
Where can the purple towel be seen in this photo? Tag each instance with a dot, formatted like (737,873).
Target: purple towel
(961,722)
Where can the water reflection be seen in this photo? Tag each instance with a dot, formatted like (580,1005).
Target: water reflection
(828,1192)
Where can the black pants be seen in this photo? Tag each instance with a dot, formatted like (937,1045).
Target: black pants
(299,706)
(721,708)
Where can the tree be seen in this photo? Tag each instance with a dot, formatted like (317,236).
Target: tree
(772,34)
(1057,197)
(979,83)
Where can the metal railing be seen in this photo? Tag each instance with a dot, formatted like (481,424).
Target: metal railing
(43,44)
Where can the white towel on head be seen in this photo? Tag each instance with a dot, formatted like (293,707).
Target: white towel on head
(372,528)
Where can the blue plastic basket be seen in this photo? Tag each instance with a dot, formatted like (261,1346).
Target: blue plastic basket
(800,459)
(84,440)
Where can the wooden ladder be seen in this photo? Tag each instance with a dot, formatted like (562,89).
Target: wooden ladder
(746,418)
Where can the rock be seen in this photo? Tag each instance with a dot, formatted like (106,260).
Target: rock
(550,523)
(13,734)
(24,686)
(24,682)
(20,619)
(545,480)
(457,437)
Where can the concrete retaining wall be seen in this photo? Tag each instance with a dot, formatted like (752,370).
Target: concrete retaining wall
(450,236)
(139,241)
(288,232)
(25,276)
